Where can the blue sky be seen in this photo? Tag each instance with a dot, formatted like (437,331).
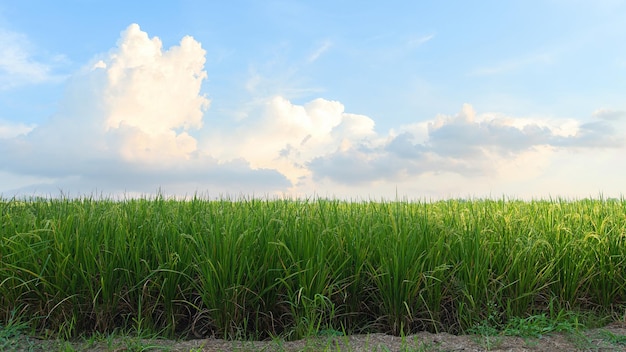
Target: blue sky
(423,99)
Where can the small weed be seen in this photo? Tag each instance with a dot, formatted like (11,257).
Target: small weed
(539,325)
(490,324)
(615,339)
(489,341)
(330,333)
(419,347)
(12,332)
(138,345)
(487,331)
(66,347)
(581,341)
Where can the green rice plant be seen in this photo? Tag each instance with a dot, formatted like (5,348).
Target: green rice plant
(605,242)
(220,262)
(312,267)
(353,243)
(405,269)
(479,273)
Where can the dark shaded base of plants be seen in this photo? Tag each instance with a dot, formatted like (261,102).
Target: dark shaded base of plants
(322,317)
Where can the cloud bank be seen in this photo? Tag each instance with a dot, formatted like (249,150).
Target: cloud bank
(463,144)
(135,120)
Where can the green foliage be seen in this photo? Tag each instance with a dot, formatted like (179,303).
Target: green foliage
(255,268)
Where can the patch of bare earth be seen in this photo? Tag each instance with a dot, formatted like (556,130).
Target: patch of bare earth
(609,338)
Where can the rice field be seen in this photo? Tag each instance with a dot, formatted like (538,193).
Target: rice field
(253,268)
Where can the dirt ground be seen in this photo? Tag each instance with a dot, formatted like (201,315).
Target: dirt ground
(609,338)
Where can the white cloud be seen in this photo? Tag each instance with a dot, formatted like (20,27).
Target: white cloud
(321,49)
(138,103)
(419,40)
(609,114)
(10,129)
(18,64)
(150,94)
(285,136)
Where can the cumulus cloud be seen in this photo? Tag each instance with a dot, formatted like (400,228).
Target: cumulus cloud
(151,94)
(286,136)
(137,103)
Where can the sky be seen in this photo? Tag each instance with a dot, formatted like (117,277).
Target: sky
(345,99)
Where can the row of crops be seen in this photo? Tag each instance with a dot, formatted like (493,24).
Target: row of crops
(293,268)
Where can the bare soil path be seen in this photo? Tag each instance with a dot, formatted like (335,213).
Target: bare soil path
(609,338)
